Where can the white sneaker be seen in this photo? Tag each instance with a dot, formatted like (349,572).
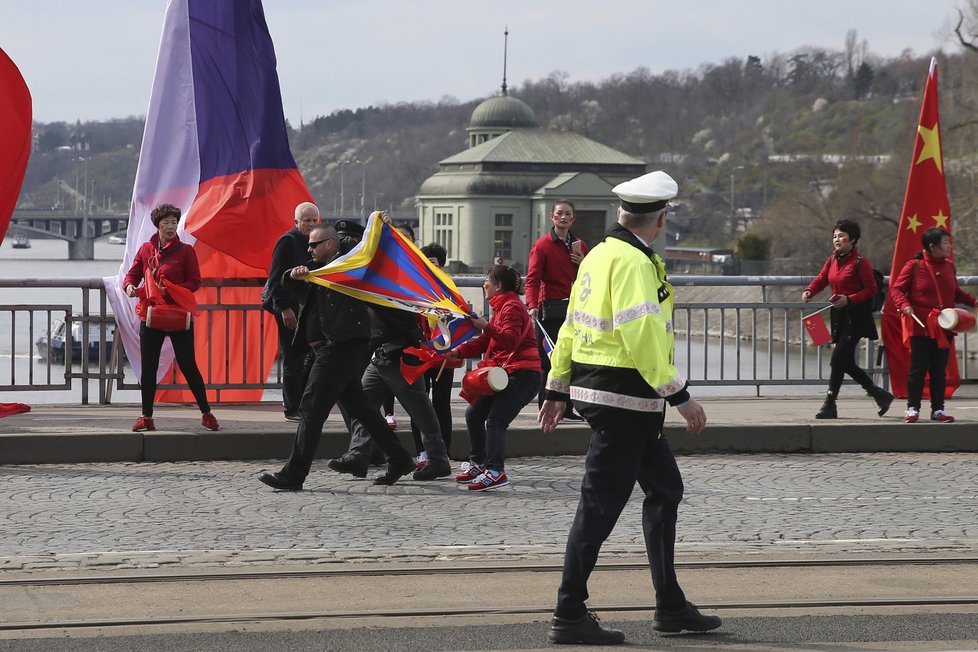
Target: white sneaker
(391,421)
(911,416)
(420,460)
(942,416)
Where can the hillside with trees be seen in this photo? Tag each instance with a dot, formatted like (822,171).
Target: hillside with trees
(769,152)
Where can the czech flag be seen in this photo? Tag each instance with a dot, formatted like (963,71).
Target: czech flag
(387,269)
(216,146)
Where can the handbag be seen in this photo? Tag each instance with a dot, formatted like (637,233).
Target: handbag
(168,317)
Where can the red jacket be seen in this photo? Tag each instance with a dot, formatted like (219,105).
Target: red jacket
(508,340)
(179,267)
(551,272)
(914,286)
(846,278)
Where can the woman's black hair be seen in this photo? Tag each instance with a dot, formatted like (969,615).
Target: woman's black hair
(507,277)
(850,228)
(932,237)
(164,210)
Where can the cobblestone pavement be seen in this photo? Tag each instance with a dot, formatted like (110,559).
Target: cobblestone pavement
(86,516)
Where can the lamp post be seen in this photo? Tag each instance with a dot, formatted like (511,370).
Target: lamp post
(342,203)
(733,209)
(363,188)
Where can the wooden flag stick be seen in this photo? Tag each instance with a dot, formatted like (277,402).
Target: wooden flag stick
(441,369)
(918,321)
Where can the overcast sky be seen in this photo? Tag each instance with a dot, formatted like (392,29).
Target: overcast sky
(94,60)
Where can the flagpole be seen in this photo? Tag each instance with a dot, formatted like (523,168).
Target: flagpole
(441,369)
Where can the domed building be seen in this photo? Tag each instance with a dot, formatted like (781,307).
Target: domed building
(491,201)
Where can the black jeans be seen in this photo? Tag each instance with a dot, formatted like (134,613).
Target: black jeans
(150,345)
(844,362)
(295,368)
(489,417)
(335,376)
(926,357)
(441,400)
(615,460)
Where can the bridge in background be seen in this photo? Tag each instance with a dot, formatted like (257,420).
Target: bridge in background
(78,228)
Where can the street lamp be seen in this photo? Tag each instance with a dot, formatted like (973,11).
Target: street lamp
(733,209)
(342,202)
(363,188)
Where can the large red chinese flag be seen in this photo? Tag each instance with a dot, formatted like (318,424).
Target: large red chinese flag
(15,137)
(925,205)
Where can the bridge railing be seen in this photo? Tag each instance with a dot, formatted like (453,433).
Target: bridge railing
(758,343)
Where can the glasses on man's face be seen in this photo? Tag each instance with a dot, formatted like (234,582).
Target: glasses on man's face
(313,245)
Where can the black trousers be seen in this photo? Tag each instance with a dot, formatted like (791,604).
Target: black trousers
(335,376)
(843,362)
(926,357)
(295,368)
(150,345)
(441,400)
(615,460)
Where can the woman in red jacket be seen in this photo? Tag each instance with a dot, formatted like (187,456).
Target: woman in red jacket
(509,342)
(165,257)
(927,284)
(853,285)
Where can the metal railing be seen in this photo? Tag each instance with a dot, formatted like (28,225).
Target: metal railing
(747,343)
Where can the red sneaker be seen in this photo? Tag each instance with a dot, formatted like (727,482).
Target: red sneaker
(209,422)
(469,472)
(911,416)
(143,424)
(942,416)
(489,481)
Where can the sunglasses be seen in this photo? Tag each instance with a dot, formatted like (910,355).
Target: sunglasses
(313,245)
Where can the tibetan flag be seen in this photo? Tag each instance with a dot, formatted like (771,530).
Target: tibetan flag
(817,330)
(387,269)
(15,137)
(216,146)
(925,205)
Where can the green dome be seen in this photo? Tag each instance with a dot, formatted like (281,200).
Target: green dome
(503,111)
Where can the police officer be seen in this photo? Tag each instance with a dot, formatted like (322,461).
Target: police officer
(613,358)
(336,328)
(290,250)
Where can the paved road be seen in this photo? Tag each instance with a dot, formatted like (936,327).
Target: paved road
(206,513)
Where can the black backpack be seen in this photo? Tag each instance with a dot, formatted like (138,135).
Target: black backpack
(876,303)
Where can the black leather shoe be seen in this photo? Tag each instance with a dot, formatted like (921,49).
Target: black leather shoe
(688,618)
(586,630)
(280,481)
(433,470)
(395,471)
(572,416)
(346,465)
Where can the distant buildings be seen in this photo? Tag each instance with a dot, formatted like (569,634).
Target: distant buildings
(493,200)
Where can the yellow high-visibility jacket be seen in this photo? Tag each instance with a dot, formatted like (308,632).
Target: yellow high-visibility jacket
(614,354)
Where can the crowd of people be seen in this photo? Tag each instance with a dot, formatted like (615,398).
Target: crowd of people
(592,341)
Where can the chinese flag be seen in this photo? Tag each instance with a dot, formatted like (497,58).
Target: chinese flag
(925,205)
(15,141)
(815,325)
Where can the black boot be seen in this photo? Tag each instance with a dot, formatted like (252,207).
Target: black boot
(882,397)
(828,410)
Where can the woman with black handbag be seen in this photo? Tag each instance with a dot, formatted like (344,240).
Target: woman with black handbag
(853,286)
(164,263)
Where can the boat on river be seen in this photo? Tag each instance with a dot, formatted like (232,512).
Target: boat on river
(53,346)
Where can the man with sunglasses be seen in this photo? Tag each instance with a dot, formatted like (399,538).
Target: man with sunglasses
(336,327)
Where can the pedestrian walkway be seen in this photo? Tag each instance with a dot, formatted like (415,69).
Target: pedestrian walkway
(102,433)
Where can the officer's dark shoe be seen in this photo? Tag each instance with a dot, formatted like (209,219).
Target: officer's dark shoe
(572,416)
(433,470)
(882,397)
(280,481)
(347,465)
(395,471)
(586,630)
(377,457)
(688,618)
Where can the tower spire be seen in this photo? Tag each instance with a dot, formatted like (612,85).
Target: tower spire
(505,48)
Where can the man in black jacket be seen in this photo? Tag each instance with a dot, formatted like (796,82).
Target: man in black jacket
(336,328)
(290,250)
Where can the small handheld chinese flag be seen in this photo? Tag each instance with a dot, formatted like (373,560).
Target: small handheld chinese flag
(817,329)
